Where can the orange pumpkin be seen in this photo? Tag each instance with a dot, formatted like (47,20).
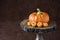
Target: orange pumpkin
(38,16)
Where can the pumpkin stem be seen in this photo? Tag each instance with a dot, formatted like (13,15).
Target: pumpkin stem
(39,12)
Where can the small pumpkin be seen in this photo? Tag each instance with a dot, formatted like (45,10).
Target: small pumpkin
(45,24)
(39,24)
(28,23)
(33,24)
(38,16)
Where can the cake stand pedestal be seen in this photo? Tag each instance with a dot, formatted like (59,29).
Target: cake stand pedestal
(39,31)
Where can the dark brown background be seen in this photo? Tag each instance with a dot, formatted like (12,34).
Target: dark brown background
(12,12)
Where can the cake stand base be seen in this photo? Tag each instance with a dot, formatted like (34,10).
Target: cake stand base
(39,37)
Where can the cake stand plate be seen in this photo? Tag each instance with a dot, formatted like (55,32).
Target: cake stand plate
(38,31)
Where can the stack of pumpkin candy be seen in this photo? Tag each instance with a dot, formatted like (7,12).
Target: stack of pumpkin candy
(38,19)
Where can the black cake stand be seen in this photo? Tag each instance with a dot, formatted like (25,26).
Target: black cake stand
(39,31)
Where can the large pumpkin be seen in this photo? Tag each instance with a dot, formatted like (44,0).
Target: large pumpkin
(38,16)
